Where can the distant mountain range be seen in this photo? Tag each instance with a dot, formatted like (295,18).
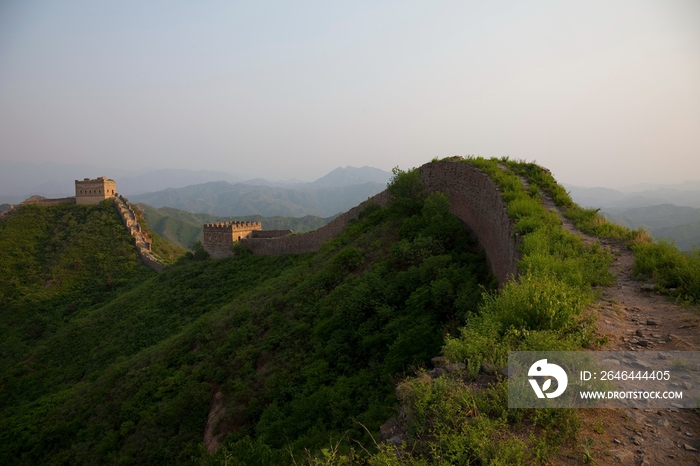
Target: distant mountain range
(344,188)
(336,192)
(163,179)
(225,199)
(665,211)
(683,194)
(678,223)
(20,180)
(347,176)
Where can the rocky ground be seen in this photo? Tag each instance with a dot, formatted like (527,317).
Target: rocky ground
(634,317)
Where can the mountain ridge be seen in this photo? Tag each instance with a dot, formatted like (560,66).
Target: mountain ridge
(226,199)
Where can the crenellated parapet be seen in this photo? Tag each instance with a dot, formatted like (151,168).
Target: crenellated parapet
(220,236)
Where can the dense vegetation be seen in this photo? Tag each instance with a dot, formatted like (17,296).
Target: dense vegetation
(454,419)
(304,349)
(55,264)
(185,228)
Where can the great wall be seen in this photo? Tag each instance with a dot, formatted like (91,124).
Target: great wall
(141,240)
(474,199)
(88,191)
(219,237)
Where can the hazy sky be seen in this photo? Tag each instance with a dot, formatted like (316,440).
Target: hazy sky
(601,92)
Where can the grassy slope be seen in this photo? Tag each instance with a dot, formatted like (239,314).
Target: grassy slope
(674,272)
(298,345)
(453,421)
(184,228)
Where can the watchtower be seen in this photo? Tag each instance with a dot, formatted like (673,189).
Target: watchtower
(220,236)
(94,191)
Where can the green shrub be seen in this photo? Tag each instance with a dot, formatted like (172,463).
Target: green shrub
(407,192)
(669,268)
(536,302)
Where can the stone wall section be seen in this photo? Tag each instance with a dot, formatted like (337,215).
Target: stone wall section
(311,241)
(39,200)
(141,241)
(474,198)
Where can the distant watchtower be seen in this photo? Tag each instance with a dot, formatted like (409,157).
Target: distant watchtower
(219,237)
(94,191)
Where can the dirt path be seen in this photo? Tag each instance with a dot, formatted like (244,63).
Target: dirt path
(635,319)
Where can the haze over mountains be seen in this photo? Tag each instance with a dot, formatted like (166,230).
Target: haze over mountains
(665,211)
(18,181)
(643,195)
(336,192)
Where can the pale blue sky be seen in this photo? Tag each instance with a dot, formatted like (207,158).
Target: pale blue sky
(602,92)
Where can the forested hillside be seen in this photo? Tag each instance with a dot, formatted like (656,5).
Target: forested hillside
(57,264)
(301,349)
(299,359)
